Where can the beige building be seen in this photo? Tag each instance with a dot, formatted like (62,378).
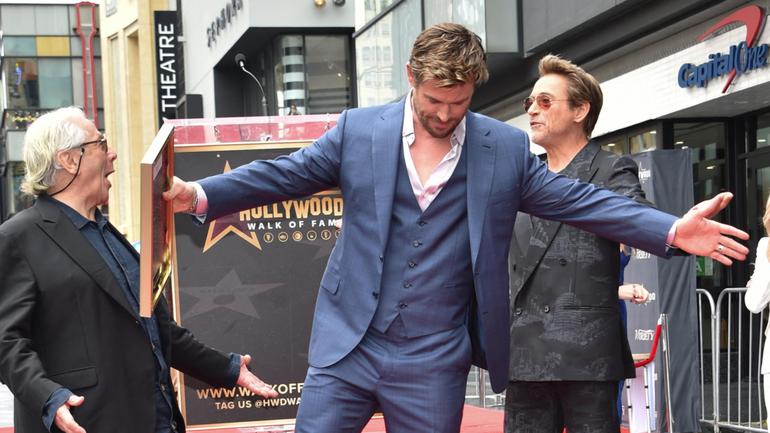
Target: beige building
(130,98)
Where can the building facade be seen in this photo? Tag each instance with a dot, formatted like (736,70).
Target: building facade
(131,100)
(50,56)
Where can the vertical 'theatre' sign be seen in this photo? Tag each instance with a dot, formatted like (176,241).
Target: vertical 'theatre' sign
(166,64)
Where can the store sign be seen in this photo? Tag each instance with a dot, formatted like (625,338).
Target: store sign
(739,59)
(165,64)
(222,20)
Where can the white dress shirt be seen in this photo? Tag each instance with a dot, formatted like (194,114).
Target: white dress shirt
(425,194)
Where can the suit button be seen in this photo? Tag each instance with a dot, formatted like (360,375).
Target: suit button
(563,261)
(422,223)
(546,309)
(412,264)
(402,305)
(382,259)
(407,284)
(416,244)
(517,312)
(375,295)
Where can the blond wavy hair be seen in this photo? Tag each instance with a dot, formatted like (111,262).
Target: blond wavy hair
(766,216)
(450,54)
(582,88)
(53,132)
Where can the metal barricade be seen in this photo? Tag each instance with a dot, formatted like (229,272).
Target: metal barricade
(736,394)
(710,320)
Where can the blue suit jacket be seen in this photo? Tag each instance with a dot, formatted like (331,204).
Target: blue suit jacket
(360,156)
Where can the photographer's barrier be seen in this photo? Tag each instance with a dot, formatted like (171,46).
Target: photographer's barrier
(731,346)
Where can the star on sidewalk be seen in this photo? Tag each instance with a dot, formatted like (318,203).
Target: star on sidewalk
(228,293)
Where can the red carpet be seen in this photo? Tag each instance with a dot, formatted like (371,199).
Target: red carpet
(475,420)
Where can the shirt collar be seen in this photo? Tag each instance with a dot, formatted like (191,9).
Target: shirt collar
(407,132)
(79,220)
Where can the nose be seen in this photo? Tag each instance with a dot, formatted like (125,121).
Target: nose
(533,109)
(443,113)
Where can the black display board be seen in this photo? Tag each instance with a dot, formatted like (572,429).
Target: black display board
(247,283)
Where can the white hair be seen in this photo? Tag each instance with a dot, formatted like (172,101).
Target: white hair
(51,133)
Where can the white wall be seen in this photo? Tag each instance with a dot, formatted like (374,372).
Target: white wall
(197,16)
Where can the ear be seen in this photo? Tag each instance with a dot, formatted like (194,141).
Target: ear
(581,112)
(410,75)
(68,160)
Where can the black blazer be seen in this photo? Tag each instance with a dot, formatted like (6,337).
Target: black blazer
(565,322)
(64,322)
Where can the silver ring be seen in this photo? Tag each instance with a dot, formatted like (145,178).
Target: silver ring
(720,248)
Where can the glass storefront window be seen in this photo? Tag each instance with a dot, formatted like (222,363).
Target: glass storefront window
(55,82)
(642,142)
(763,130)
(381,81)
(706,142)
(19,46)
(328,74)
(21,79)
(290,74)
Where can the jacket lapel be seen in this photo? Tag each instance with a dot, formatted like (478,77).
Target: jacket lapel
(61,230)
(544,231)
(481,162)
(386,148)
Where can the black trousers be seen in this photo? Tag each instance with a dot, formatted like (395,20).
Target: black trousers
(549,407)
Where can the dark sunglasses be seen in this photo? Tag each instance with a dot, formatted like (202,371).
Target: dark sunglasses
(102,142)
(543,101)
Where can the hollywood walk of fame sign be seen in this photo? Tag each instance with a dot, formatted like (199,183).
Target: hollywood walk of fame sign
(247,283)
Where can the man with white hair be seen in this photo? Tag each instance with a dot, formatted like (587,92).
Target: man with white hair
(73,349)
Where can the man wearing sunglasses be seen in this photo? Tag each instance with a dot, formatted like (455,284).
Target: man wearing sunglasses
(73,349)
(416,287)
(568,345)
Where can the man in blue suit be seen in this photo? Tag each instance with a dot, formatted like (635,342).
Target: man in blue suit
(416,287)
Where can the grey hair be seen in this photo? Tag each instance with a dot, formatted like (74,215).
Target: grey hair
(53,132)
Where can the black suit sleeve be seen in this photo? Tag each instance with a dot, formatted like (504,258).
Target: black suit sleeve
(192,357)
(20,365)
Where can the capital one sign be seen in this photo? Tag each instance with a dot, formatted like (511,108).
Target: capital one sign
(739,59)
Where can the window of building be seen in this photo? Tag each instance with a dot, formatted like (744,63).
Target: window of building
(469,13)
(763,130)
(328,74)
(391,38)
(21,80)
(643,141)
(19,46)
(17,20)
(312,74)
(706,142)
(55,82)
(369,9)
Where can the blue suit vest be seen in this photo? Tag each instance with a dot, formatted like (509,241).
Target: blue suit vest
(427,276)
